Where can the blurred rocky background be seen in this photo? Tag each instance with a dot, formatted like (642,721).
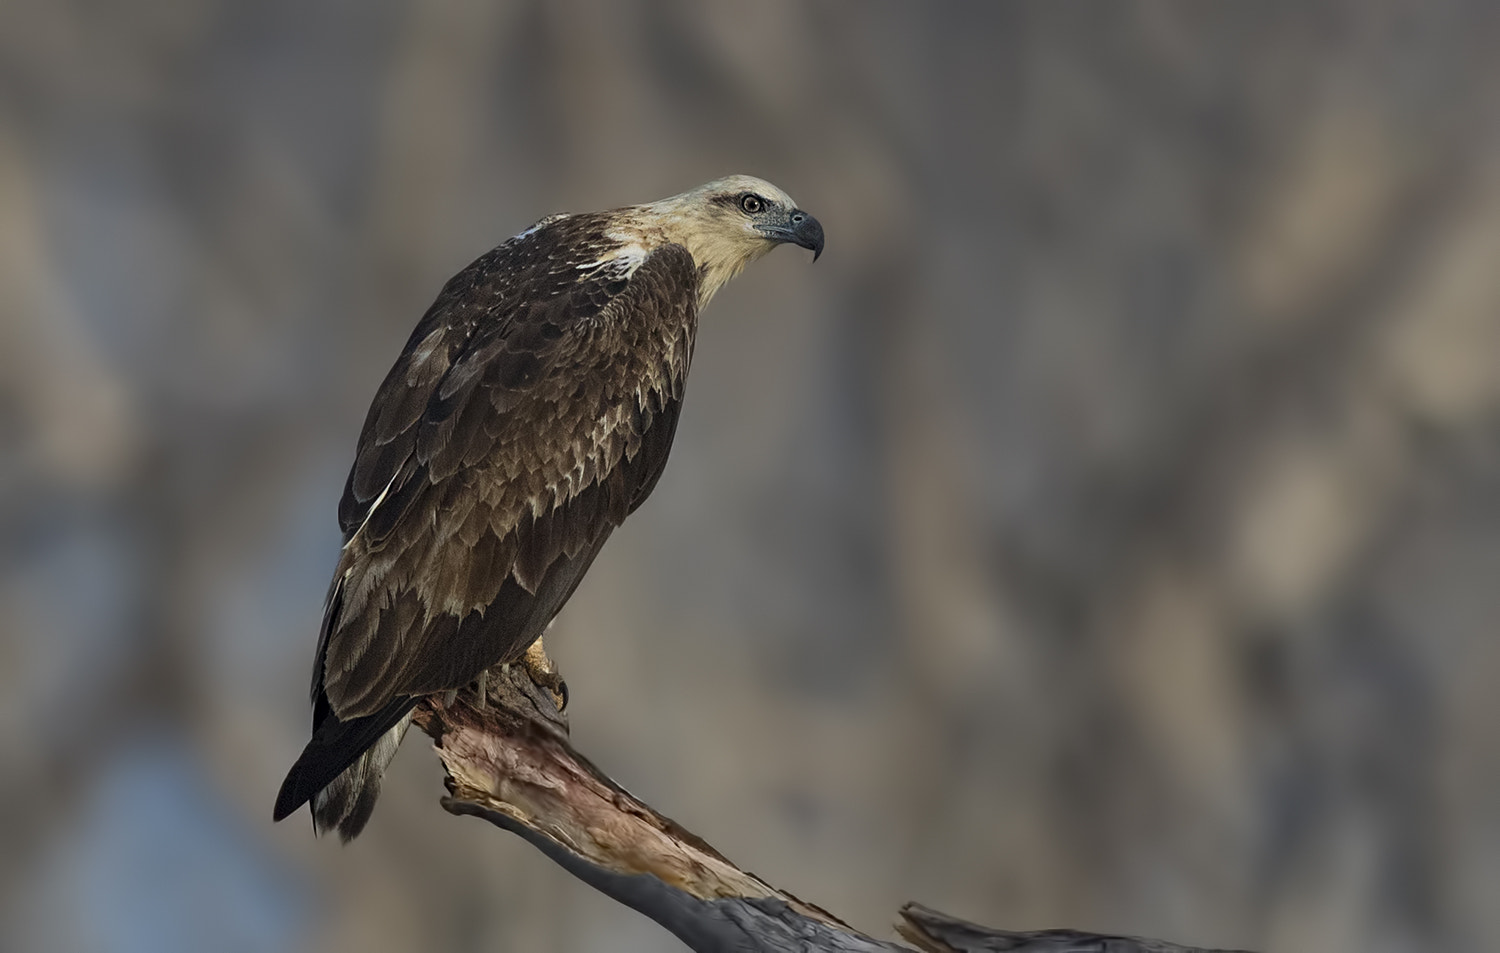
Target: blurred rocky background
(1105,533)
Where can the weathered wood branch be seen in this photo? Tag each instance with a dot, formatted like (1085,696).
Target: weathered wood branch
(509,761)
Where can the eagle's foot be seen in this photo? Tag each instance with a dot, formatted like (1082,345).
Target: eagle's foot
(542,672)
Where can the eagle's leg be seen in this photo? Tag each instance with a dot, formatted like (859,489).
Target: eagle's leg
(481,686)
(544,673)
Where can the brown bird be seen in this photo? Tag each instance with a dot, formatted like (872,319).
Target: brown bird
(531,411)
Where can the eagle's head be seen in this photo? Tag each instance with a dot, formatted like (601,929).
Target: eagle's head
(729,223)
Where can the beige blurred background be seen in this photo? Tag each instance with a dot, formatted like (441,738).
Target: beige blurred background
(1105,533)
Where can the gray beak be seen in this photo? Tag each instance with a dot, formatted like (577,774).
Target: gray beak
(807,232)
(800,229)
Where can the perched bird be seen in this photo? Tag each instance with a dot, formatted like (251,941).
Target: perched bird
(531,411)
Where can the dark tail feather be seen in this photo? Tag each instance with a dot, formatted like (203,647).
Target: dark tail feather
(347,803)
(347,757)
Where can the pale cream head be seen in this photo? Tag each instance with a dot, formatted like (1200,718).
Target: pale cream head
(728,223)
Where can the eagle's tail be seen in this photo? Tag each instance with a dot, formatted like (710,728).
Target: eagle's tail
(340,769)
(347,803)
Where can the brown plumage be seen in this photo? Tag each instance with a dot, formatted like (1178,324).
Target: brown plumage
(531,411)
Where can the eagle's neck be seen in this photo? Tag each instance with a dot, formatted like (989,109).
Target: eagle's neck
(716,265)
(720,252)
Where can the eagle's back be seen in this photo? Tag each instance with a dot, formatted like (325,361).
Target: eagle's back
(531,410)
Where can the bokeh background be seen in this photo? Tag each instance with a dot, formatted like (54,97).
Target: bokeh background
(1105,533)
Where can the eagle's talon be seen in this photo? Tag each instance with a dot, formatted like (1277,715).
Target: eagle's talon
(554,684)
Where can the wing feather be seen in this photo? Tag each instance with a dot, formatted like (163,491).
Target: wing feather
(531,411)
(541,426)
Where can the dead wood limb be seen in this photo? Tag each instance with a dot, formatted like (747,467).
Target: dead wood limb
(934,932)
(509,761)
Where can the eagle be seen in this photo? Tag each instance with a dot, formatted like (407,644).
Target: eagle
(530,412)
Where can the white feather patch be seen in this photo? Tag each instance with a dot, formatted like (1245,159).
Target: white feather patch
(540,224)
(622,262)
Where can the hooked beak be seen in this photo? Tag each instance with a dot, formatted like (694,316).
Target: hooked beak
(800,229)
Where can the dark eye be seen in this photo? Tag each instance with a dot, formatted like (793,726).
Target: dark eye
(752,203)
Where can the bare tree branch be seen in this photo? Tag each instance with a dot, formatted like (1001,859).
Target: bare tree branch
(934,932)
(509,761)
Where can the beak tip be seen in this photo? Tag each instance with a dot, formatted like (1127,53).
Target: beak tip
(807,232)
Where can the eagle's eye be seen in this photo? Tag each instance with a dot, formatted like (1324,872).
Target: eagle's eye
(752,203)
